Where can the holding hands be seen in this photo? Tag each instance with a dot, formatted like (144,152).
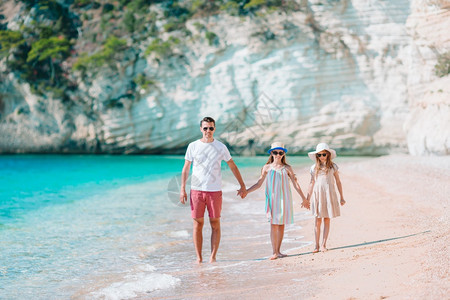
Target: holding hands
(242,192)
(305,203)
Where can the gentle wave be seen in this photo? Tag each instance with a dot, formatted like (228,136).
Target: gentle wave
(134,284)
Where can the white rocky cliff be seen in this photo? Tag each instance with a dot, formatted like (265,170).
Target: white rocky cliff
(357,74)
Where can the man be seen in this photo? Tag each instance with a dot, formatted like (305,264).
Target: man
(206,155)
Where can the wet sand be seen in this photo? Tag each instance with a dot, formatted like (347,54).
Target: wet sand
(391,240)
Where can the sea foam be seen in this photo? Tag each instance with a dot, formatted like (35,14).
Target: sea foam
(179,234)
(134,284)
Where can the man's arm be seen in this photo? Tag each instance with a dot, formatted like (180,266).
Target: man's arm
(184,177)
(242,191)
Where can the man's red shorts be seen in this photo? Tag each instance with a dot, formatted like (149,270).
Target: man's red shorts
(210,200)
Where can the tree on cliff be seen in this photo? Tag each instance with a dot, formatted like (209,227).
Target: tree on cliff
(10,41)
(51,51)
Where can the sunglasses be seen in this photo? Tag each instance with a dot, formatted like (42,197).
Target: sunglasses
(278,152)
(210,128)
(321,154)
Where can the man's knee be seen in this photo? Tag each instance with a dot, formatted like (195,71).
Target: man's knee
(198,223)
(215,223)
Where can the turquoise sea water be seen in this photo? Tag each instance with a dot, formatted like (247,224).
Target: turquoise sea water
(95,226)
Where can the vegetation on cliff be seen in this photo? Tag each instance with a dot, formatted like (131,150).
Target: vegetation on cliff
(54,42)
(442,67)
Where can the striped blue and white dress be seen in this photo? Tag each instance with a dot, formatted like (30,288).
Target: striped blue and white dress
(279,206)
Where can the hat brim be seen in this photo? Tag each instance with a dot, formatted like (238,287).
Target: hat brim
(312,155)
(277,148)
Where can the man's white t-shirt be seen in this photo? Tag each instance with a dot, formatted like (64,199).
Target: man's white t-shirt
(206,158)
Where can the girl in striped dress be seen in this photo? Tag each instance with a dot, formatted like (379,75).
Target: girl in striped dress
(279,207)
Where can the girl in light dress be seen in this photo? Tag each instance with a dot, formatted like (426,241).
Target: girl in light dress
(322,192)
(279,206)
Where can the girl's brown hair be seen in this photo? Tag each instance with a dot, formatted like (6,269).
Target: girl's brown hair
(328,165)
(270,160)
(283,159)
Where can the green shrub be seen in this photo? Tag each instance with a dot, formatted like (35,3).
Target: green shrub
(232,8)
(162,48)
(21,110)
(186,32)
(237,7)
(45,57)
(197,4)
(207,6)
(170,26)
(124,2)
(81,3)
(107,7)
(254,4)
(105,22)
(139,6)
(142,81)
(174,40)
(159,47)
(112,47)
(10,40)
(174,9)
(442,67)
(199,26)
(56,92)
(129,21)
(54,48)
(211,37)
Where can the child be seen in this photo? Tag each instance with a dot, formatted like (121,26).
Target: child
(279,207)
(321,192)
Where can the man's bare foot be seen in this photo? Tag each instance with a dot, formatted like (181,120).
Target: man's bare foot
(280,255)
(199,260)
(316,250)
(275,256)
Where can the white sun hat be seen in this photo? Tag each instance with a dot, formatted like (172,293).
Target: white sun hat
(320,147)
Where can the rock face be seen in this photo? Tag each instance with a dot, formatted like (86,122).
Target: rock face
(356,74)
(427,124)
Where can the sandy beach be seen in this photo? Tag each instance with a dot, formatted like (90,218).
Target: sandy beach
(391,241)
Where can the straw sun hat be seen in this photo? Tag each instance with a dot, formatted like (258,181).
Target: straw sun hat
(277,146)
(320,147)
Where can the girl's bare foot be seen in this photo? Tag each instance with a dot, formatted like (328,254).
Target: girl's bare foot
(280,255)
(324,249)
(316,250)
(212,260)
(275,256)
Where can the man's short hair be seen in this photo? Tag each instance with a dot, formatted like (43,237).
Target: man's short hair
(209,120)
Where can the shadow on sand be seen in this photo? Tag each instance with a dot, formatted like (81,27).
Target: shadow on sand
(365,243)
(336,248)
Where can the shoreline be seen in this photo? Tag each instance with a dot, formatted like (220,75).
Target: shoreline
(391,240)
